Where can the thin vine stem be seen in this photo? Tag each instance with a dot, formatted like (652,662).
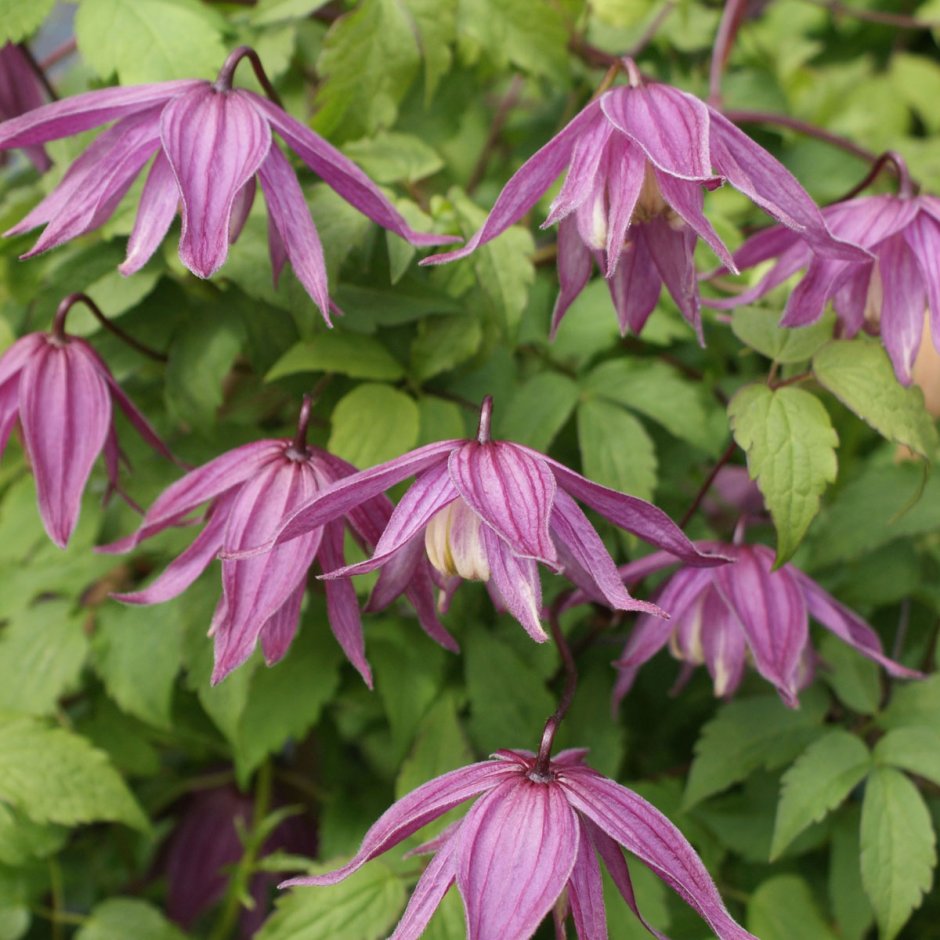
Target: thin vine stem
(39,72)
(707,484)
(227,73)
(880,17)
(66,304)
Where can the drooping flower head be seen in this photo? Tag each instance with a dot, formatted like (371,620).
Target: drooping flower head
(744,611)
(534,841)
(21,91)
(488,511)
(209,143)
(251,491)
(62,393)
(887,293)
(639,157)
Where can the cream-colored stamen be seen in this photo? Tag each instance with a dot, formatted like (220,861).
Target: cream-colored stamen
(454,542)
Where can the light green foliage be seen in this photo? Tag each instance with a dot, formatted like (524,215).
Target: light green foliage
(915,749)
(817,782)
(120,918)
(915,704)
(855,679)
(442,343)
(373,423)
(782,908)
(616,449)
(393,158)
(18,19)
(537,411)
(790,445)
(757,327)
(150,40)
(847,897)
(267,12)
(360,357)
(898,848)
(859,374)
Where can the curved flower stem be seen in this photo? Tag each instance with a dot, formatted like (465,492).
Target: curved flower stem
(59,53)
(802,127)
(707,485)
(40,74)
(731,19)
(66,304)
(227,73)
(508,102)
(876,16)
(486,414)
(906,185)
(567,694)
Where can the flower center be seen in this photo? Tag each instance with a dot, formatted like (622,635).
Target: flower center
(874,299)
(454,544)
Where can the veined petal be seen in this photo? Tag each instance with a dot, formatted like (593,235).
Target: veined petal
(643,830)
(516,583)
(869,220)
(808,300)
(215,142)
(584,174)
(923,238)
(586,890)
(79,113)
(723,644)
(65,412)
(673,253)
(669,125)
(902,306)
(291,219)
(17,355)
(415,810)
(626,171)
(635,285)
(9,410)
(433,884)
(241,208)
(512,491)
(574,270)
(515,851)
(280,628)
(158,204)
(526,185)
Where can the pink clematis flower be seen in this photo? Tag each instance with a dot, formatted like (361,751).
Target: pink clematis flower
(742,611)
(488,511)
(639,157)
(21,91)
(886,293)
(533,841)
(253,489)
(63,393)
(209,142)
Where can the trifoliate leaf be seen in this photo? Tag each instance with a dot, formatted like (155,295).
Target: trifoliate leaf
(916,704)
(538,410)
(820,779)
(790,445)
(757,327)
(914,749)
(352,354)
(373,423)
(859,373)
(898,848)
(783,908)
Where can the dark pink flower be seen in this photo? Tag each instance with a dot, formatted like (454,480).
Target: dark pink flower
(533,842)
(639,158)
(21,91)
(488,511)
(251,491)
(209,143)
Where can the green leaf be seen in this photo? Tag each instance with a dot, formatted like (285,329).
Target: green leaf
(352,354)
(783,908)
(267,12)
(859,373)
(53,775)
(442,343)
(366,904)
(42,652)
(616,450)
(916,80)
(19,19)
(847,897)
(435,23)
(854,678)
(757,327)
(448,921)
(440,420)
(651,898)
(790,445)
(21,839)
(121,918)
(150,40)
(914,749)
(373,423)
(657,391)
(898,848)
(537,411)
(820,779)
(394,158)
(747,734)
(915,704)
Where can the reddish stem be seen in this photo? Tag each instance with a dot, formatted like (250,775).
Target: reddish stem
(66,304)
(40,74)
(707,485)
(227,73)
(486,414)
(731,19)
(890,158)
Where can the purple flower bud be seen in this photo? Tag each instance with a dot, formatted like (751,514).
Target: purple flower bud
(21,91)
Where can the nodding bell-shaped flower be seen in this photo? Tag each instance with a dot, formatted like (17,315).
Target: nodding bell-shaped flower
(20,91)
(639,157)
(490,510)
(533,843)
(739,612)
(251,491)
(63,394)
(209,143)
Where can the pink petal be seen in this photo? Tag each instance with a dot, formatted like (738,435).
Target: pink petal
(515,851)
(923,238)
(586,891)
(241,208)
(723,644)
(635,285)
(433,884)
(9,411)
(17,355)
(158,204)
(516,583)
(584,172)
(626,173)
(512,491)
(902,306)
(297,234)
(673,253)
(808,300)
(574,270)
(65,412)
(280,628)
(686,199)
(215,142)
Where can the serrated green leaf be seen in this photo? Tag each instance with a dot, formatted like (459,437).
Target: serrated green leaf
(19,19)
(790,445)
(267,12)
(657,391)
(847,897)
(854,678)
(916,704)
(783,908)
(898,848)
(916,80)
(53,775)
(366,904)
(757,327)
(42,652)
(150,40)
(537,411)
(435,22)
(914,749)
(820,779)
(747,734)
(616,450)
(859,373)
(352,354)
(394,158)
(442,343)
(373,423)
(122,918)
